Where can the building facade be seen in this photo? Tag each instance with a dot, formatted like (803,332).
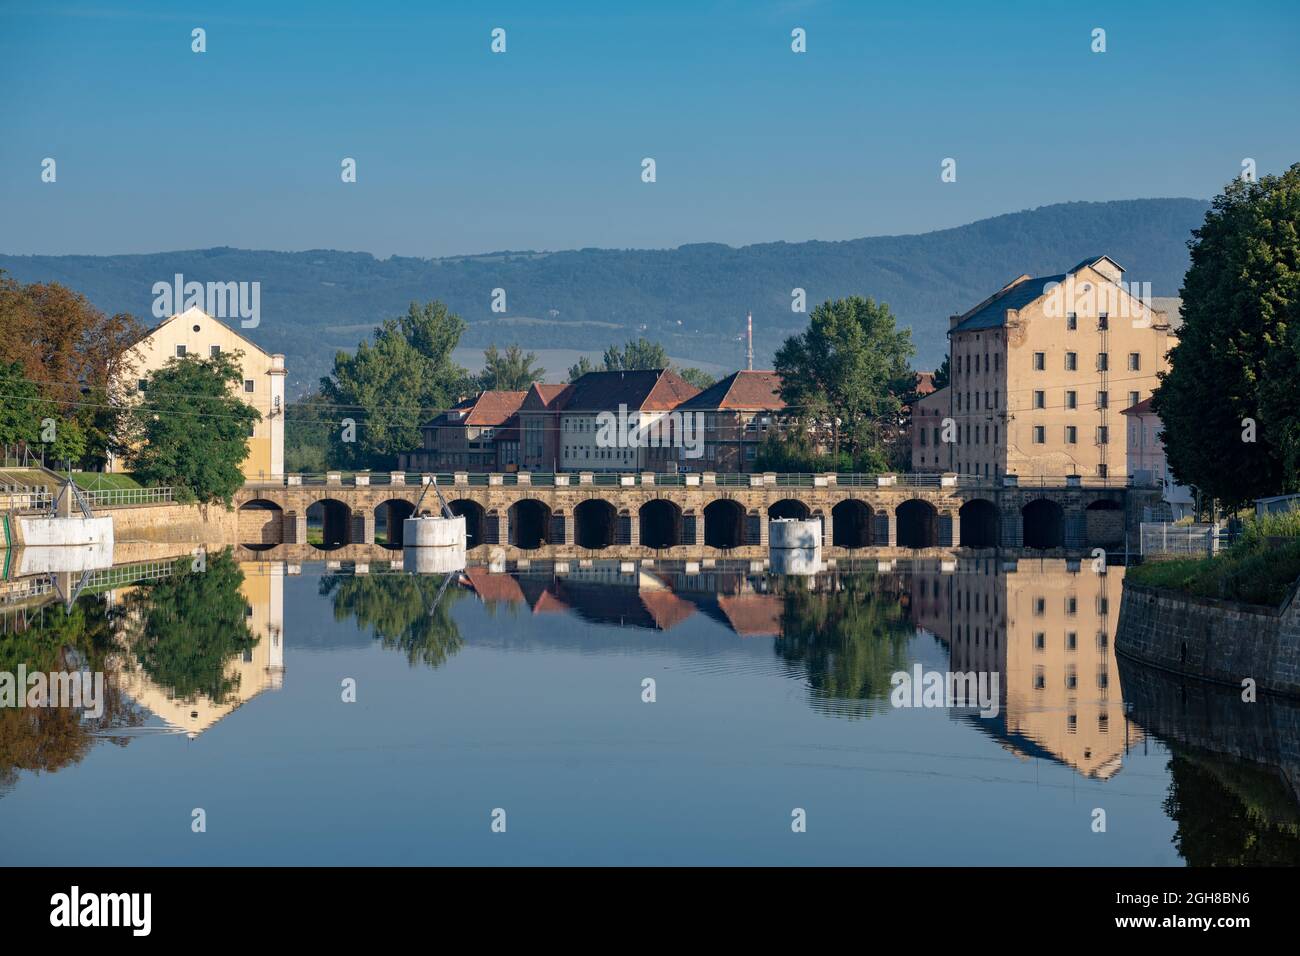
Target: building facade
(739,412)
(195,333)
(539,426)
(642,396)
(1040,370)
(463,438)
(930,453)
(1147,461)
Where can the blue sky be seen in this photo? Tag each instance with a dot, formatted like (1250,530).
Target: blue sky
(463,151)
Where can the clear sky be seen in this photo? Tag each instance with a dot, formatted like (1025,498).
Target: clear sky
(460,150)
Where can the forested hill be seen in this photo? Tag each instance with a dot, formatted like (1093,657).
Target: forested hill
(693,299)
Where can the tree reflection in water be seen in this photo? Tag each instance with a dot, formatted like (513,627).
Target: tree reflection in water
(403,610)
(185,630)
(846,642)
(46,739)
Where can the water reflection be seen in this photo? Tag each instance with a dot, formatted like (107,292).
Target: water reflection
(185,648)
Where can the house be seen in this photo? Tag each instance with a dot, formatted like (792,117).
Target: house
(195,333)
(634,401)
(463,438)
(539,426)
(738,413)
(1147,462)
(1039,370)
(930,453)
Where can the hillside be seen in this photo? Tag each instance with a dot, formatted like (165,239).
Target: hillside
(692,298)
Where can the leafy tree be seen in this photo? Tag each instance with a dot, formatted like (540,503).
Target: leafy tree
(635,355)
(696,376)
(941,375)
(20,410)
(308,422)
(190,627)
(191,429)
(393,385)
(581,368)
(848,375)
(511,371)
(1238,351)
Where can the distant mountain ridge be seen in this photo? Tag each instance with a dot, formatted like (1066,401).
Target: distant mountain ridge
(693,298)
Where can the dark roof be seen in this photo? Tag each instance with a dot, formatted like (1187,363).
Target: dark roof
(1141,408)
(993,314)
(746,390)
(542,397)
(655,389)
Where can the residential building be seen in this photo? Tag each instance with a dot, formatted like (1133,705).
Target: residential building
(644,396)
(1040,370)
(463,438)
(539,426)
(261,385)
(930,453)
(738,413)
(1147,461)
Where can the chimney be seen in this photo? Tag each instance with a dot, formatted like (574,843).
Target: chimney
(749,334)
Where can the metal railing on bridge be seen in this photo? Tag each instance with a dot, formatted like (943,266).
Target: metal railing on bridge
(123,497)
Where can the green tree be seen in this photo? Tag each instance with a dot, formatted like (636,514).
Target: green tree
(696,376)
(191,429)
(1238,353)
(635,355)
(941,375)
(393,385)
(580,368)
(848,376)
(21,407)
(308,423)
(512,371)
(189,628)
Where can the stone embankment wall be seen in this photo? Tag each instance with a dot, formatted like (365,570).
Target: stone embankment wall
(211,525)
(1213,640)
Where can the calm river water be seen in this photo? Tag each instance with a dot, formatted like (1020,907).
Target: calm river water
(625,714)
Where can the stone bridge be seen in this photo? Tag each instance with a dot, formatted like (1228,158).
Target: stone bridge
(678,516)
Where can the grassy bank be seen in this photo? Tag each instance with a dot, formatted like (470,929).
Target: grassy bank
(1255,570)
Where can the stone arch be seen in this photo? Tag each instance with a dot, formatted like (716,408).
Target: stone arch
(595,524)
(329,523)
(852,520)
(660,523)
(980,524)
(1044,524)
(475,520)
(918,524)
(724,523)
(788,508)
(261,524)
(529,524)
(389,516)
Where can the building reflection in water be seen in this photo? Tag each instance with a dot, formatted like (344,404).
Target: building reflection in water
(1046,627)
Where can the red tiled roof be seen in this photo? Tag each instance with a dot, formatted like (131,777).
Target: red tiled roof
(1141,408)
(543,397)
(924,383)
(494,408)
(744,390)
(752,615)
(666,609)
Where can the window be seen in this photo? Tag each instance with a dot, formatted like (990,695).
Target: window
(1103,435)
(1071,400)
(249,384)
(141,385)
(1040,399)
(1040,641)
(1071,641)
(1071,321)
(1071,435)
(180,351)
(214,350)
(1040,606)
(1103,399)
(924,436)
(1133,398)
(1040,361)
(1040,435)
(1134,361)
(997,362)
(1071,361)
(1103,321)
(1103,361)
(1103,471)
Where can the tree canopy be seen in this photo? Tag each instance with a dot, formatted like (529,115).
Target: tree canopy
(513,370)
(1238,353)
(191,429)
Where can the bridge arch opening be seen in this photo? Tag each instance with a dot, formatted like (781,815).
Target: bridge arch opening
(1044,523)
(661,523)
(529,524)
(918,524)
(261,524)
(979,524)
(851,524)
(724,524)
(475,520)
(595,524)
(389,516)
(788,508)
(329,524)
(1104,524)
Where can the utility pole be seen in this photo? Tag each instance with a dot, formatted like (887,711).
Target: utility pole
(749,335)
